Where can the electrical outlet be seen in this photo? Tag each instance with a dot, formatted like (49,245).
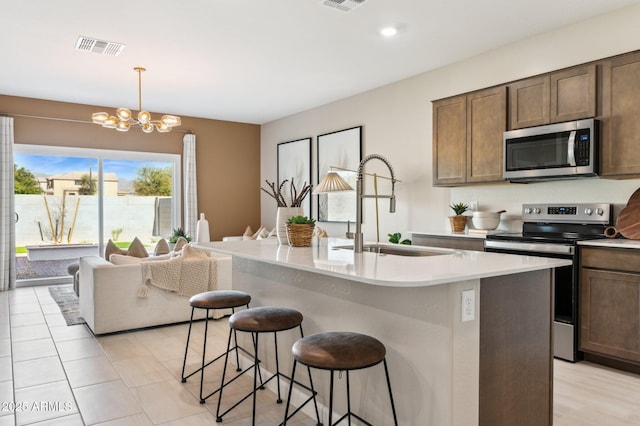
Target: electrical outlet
(473,206)
(468,307)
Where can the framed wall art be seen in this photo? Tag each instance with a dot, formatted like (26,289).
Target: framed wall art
(340,152)
(294,162)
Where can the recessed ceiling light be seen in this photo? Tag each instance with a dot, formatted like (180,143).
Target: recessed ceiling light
(389,31)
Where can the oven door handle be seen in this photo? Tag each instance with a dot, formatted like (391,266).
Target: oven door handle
(530,247)
(571,149)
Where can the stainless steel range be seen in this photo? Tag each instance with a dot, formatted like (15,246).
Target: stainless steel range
(553,230)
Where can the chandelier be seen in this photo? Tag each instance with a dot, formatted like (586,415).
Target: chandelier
(123,119)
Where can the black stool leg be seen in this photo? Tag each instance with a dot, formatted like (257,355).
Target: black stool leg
(224,371)
(348,400)
(275,341)
(331,400)
(393,407)
(186,348)
(286,409)
(313,392)
(204,354)
(255,380)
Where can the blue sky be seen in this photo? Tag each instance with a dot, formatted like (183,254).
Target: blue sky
(51,165)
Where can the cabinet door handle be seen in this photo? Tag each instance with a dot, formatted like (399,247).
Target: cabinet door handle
(571,147)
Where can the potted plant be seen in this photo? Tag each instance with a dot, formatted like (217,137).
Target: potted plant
(300,231)
(458,222)
(286,208)
(175,235)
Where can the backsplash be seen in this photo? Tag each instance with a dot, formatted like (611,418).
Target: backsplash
(511,196)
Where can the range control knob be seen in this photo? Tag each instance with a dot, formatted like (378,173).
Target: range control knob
(599,212)
(588,211)
(527,210)
(536,211)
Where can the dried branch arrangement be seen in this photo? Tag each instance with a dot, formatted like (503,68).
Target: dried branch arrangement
(296,196)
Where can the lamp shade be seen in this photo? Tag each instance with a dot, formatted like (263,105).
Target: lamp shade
(332,182)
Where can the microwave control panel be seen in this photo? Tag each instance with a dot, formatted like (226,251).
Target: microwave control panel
(582,147)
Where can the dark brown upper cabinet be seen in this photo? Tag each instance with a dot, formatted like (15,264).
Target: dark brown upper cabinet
(486,123)
(529,102)
(467,137)
(450,141)
(620,120)
(564,95)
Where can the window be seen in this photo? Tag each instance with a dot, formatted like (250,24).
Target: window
(87,196)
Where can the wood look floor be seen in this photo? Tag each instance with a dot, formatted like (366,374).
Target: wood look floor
(134,378)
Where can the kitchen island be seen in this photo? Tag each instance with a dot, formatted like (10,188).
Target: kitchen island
(489,363)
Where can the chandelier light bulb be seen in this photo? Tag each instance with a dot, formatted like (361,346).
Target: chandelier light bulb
(171,120)
(146,127)
(111,122)
(144,117)
(123,114)
(99,117)
(123,126)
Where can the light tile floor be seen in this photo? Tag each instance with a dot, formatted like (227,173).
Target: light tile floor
(53,374)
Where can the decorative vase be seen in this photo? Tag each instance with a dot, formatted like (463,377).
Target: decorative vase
(284,214)
(202,230)
(458,223)
(300,234)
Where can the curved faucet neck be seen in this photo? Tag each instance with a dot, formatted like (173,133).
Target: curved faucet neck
(358,237)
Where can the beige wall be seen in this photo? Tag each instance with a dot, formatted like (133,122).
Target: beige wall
(228,163)
(397,124)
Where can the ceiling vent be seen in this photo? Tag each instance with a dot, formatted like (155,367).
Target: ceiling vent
(343,5)
(110,48)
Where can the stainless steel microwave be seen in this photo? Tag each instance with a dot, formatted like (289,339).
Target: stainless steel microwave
(554,151)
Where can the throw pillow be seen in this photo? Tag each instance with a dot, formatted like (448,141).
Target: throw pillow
(262,234)
(111,249)
(180,243)
(248,234)
(136,249)
(161,248)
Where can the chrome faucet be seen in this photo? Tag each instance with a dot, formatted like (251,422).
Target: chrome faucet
(359,240)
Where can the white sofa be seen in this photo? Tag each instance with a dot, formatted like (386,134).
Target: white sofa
(109,299)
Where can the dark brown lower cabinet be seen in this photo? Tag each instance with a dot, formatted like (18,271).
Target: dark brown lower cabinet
(610,306)
(516,350)
(458,243)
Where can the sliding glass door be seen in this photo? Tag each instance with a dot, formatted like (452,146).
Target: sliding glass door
(69,202)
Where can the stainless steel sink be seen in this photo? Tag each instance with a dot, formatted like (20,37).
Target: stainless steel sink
(398,250)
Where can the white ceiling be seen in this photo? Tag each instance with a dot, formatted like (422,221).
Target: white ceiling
(253,60)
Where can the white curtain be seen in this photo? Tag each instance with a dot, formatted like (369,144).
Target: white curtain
(7,207)
(190,184)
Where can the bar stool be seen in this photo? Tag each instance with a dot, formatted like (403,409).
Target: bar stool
(339,351)
(217,299)
(266,319)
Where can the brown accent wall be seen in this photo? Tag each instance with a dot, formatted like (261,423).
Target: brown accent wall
(228,153)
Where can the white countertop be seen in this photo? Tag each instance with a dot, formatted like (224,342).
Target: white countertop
(612,242)
(383,269)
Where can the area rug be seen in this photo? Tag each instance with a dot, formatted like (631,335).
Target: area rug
(67,300)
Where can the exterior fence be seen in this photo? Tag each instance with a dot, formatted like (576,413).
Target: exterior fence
(148,218)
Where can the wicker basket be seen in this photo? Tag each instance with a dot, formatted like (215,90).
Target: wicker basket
(458,223)
(300,234)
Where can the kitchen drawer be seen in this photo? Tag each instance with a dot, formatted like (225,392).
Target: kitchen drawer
(614,259)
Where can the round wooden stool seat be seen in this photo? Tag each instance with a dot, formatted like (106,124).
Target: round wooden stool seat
(265,319)
(339,351)
(220,299)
